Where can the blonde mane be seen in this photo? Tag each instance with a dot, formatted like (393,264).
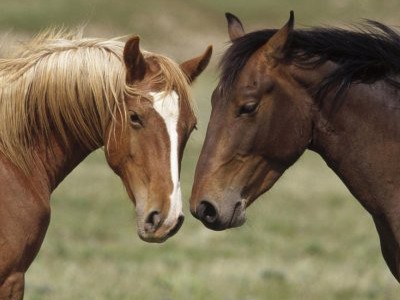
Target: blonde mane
(62,84)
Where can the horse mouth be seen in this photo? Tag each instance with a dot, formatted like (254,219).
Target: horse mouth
(238,216)
(177,226)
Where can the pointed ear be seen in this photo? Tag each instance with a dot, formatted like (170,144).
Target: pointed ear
(193,67)
(134,61)
(235,27)
(277,45)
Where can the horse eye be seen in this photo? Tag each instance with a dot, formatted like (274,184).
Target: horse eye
(135,120)
(248,108)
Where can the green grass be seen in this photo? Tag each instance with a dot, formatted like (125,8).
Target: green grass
(307,238)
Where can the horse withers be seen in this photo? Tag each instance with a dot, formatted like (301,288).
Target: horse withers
(330,90)
(62,97)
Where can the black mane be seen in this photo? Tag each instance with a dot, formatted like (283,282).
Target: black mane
(369,53)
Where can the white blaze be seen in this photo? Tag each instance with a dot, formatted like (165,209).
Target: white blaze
(167,106)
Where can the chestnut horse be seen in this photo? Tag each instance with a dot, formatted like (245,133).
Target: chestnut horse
(330,90)
(62,97)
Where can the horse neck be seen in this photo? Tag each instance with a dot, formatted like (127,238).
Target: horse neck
(56,161)
(357,140)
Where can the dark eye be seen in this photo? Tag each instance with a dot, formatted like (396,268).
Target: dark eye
(135,120)
(248,108)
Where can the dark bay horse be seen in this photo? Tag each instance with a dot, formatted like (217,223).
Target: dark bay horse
(330,90)
(63,96)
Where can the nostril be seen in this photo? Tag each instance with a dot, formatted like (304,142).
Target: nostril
(152,222)
(207,212)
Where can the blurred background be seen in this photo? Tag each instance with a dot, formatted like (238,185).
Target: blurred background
(307,238)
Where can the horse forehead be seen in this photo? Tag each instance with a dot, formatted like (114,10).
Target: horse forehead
(255,67)
(167,105)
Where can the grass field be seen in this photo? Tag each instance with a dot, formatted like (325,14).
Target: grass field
(307,238)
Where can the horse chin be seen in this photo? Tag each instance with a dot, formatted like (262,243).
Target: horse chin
(151,238)
(237,222)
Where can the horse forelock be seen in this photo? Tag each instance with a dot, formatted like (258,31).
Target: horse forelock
(172,78)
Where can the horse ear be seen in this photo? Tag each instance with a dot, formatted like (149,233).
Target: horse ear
(235,27)
(134,61)
(193,67)
(278,44)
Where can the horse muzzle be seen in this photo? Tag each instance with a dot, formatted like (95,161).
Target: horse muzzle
(155,230)
(220,217)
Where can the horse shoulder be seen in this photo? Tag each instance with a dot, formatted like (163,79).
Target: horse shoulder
(24,218)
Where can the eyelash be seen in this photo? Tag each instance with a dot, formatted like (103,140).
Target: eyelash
(248,108)
(135,120)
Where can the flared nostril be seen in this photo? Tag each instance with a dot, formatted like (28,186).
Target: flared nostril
(152,222)
(207,212)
